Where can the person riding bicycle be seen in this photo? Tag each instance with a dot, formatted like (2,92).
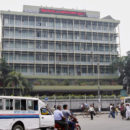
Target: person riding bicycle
(68,114)
(59,118)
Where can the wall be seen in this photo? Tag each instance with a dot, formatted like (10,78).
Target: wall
(75,104)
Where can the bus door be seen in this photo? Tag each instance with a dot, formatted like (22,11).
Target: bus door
(46,118)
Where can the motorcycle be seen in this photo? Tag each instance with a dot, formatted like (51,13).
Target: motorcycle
(77,126)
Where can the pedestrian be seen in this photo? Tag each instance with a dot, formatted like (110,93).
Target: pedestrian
(82,107)
(117,110)
(110,110)
(127,111)
(122,110)
(113,111)
(91,111)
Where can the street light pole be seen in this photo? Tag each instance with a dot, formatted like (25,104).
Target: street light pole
(99,97)
(98,68)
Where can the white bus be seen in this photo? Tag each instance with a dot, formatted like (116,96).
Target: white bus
(24,113)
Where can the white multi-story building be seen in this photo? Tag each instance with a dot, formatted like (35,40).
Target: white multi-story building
(43,41)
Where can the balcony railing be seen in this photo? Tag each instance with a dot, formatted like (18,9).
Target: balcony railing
(62,28)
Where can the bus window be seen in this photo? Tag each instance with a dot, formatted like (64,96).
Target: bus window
(45,111)
(1,104)
(127,100)
(30,104)
(35,105)
(9,104)
(17,104)
(23,104)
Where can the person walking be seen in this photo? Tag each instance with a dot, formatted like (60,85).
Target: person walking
(110,110)
(113,111)
(122,110)
(91,111)
(117,110)
(127,111)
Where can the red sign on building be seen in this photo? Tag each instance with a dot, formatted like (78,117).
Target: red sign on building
(62,12)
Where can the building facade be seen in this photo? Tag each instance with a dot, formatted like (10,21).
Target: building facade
(43,41)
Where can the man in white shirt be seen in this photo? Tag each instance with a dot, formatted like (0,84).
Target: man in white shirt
(127,111)
(59,118)
(91,111)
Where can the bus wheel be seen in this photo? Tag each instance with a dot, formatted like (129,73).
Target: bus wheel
(18,127)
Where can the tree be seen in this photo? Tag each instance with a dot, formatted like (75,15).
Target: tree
(122,65)
(4,70)
(16,80)
(12,79)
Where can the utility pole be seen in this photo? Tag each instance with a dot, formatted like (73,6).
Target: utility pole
(98,68)
(99,96)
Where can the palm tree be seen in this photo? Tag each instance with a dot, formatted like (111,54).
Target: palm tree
(16,80)
(4,70)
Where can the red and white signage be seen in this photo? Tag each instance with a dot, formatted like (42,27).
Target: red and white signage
(62,12)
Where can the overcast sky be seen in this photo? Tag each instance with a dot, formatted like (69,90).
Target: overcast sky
(118,9)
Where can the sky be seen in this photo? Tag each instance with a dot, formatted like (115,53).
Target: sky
(118,9)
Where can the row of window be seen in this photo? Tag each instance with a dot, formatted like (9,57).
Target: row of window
(56,57)
(51,22)
(17,104)
(62,69)
(59,35)
(18,44)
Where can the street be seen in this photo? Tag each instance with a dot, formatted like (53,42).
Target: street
(102,122)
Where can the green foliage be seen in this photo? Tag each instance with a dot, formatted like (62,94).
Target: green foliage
(73,96)
(122,64)
(10,78)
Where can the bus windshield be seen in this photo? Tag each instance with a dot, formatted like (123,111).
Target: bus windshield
(127,100)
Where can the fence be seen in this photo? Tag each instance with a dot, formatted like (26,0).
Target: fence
(75,104)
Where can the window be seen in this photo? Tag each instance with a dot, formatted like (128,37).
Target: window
(76,24)
(82,24)
(45,111)
(51,23)
(38,33)
(51,45)
(127,100)
(38,69)
(38,57)
(38,21)
(83,58)
(64,70)
(23,104)
(17,104)
(35,105)
(24,68)
(1,104)
(51,57)
(58,23)
(64,23)
(44,45)
(6,19)
(18,20)
(30,105)
(9,104)
(45,69)
(31,21)
(44,57)
(25,20)
(77,46)
(20,104)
